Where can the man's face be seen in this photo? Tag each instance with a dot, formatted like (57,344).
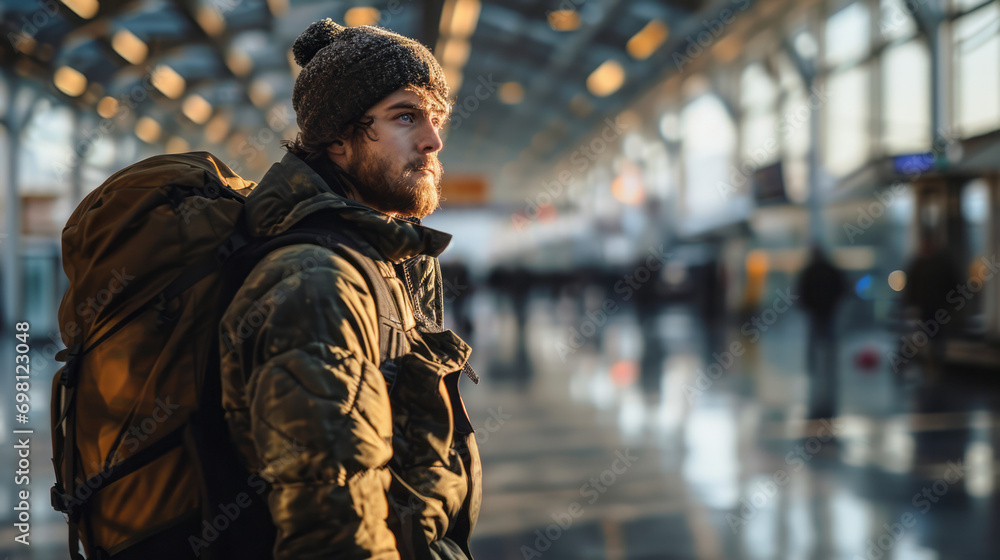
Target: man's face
(399,172)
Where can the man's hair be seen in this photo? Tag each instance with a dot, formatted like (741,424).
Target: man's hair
(306,147)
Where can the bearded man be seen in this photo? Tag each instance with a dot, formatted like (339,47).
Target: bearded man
(349,411)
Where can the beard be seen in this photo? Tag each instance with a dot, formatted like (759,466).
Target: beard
(406,190)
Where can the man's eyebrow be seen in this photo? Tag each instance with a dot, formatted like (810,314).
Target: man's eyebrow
(406,105)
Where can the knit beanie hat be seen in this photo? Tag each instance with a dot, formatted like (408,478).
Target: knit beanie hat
(347,70)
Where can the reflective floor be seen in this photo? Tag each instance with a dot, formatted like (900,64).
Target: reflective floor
(594,448)
(719,458)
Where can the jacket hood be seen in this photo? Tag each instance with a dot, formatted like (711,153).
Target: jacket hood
(291,190)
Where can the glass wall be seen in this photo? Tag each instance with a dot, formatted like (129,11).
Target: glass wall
(709,142)
(906,98)
(846,142)
(976,59)
(49,132)
(758,123)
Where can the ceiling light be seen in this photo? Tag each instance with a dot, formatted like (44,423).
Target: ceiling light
(356,17)
(177,145)
(278,7)
(239,62)
(455,52)
(564,20)
(22,42)
(511,93)
(459,17)
(197,109)
(147,130)
(211,20)
(646,41)
(83,8)
(70,81)
(129,47)
(261,93)
(606,79)
(168,81)
(107,107)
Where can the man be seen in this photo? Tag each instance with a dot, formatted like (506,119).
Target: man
(930,277)
(821,286)
(364,460)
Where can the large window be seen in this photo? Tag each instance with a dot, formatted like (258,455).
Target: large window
(906,98)
(47,139)
(847,118)
(848,132)
(976,37)
(709,142)
(895,21)
(848,35)
(758,139)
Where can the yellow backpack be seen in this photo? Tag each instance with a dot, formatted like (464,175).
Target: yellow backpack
(140,446)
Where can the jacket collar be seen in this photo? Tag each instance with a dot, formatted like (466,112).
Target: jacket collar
(292,190)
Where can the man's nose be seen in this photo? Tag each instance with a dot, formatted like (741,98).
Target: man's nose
(430,140)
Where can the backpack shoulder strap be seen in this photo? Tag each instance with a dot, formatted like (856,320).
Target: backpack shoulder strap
(391,338)
(390,323)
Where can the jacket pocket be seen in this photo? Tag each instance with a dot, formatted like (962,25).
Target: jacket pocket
(424,429)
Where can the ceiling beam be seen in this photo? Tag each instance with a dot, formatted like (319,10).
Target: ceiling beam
(430,29)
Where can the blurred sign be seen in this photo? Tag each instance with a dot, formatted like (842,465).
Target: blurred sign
(910,164)
(464,190)
(769,185)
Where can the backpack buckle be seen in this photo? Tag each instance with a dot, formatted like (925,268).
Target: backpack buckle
(61,501)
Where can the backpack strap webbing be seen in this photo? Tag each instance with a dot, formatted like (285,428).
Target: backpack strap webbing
(389,320)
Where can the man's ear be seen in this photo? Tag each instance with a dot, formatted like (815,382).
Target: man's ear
(337,148)
(339,152)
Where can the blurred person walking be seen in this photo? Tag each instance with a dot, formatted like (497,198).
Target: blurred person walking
(457,287)
(929,278)
(821,286)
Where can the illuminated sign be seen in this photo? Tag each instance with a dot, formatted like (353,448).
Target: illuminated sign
(913,163)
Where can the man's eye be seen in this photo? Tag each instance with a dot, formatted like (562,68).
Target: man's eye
(407,116)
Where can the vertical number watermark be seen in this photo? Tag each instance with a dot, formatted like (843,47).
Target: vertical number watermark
(22,434)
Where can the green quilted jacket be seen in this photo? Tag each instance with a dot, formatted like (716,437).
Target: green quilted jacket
(358,467)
